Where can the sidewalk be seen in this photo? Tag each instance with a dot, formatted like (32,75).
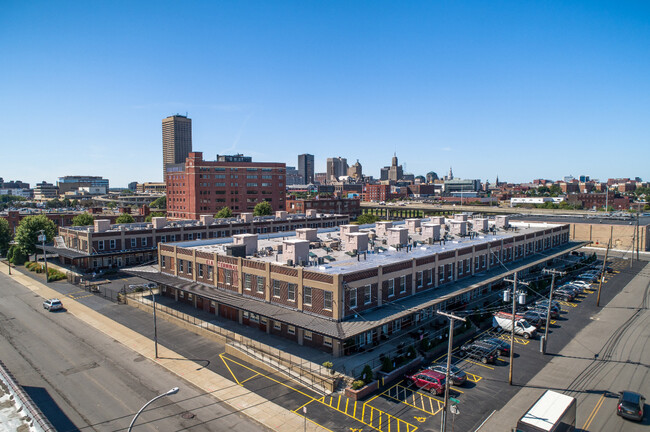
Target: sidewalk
(573,370)
(259,409)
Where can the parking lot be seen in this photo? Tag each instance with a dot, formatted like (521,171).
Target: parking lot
(398,406)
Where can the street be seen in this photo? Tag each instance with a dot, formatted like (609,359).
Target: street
(83,380)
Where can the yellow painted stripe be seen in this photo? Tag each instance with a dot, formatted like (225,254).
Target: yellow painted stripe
(594,412)
(247,379)
(231,372)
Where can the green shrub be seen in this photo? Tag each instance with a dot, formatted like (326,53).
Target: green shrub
(356,385)
(411,353)
(328,364)
(366,373)
(16,255)
(55,275)
(387,364)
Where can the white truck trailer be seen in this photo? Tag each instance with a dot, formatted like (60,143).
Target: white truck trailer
(552,412)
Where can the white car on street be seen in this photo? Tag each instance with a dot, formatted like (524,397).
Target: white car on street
(52,304)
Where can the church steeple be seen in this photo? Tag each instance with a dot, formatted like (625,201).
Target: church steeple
(451,174)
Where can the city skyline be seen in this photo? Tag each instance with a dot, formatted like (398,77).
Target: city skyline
(487,89)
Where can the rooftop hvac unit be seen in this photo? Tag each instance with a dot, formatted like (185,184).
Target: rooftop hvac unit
(290,262)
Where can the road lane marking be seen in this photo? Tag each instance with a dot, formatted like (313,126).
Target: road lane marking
(592,416)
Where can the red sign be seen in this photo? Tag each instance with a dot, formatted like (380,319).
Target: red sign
(227,265)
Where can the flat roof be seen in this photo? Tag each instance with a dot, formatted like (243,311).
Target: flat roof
(363,321)
(586,219)
(547,410)
(380,252)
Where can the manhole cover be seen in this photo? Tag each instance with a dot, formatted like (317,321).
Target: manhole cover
(187,415)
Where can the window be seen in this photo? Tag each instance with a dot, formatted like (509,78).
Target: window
(460,268)
(276,288)
(429,276)
(255,317)
(367,294)
(251,177)
(468,265)
(199,268)
(391,287)
(252,185)
(209,272)
(441,273)
(291,330)
(189,267)
(260,284)
(173,237)
(180,265)
(112,244)
(306,297)
(418,278)
(228,276)
(308,335)
(163,239)
(144,241)
(327,300)
(353,298)
(402,284)
(247,281)
(134,242)
(327,341)
(291,292)
(100,245)
(162,261)
(277,325)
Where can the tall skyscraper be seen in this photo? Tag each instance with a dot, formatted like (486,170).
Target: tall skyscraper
(177,140)
(336,167)
(306,167)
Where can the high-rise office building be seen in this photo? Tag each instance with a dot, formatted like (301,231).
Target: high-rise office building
(177,140)
(336,167)
(306,167)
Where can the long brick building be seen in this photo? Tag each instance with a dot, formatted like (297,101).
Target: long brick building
(342,289)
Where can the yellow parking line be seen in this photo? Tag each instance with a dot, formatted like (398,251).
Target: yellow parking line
(479,364)
(308,419)
(594,412)
(473,377)
(247,379)
(231,372)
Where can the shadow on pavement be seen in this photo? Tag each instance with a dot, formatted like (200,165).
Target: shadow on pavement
(50,409)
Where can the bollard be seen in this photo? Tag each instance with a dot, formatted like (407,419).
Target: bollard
(542,345)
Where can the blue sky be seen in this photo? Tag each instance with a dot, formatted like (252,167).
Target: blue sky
(520,89)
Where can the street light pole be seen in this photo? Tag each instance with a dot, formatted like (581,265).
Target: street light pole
(512,331)
(553,272)
(155,327)
(168,393)
(42,238)
(449,349)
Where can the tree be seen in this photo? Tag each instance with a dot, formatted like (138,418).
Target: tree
(159,203)
(5,236)
(124,218)
(16,256)
(28,230)
(83,219)
(111,204)
(224,213)
(366,219)
(262,209)
(152,215)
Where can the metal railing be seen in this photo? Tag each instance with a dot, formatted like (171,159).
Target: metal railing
(308,373)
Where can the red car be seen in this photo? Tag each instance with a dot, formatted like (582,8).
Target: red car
(429,380)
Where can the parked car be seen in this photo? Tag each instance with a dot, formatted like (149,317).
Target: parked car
(585,285)
(564,294)
(52,304)
(483,352)
(630,405)
(429,380)
(457,376)
(544,302)
(543,309)
(536,318)
(503,347)
(590,277)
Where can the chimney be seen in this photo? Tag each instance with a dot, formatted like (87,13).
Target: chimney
(246,217)
(102,225)
(458,227)
(398,236)
(295,250)
(250,240)
(347,229)
(356,241)
(206,220)
(460,217)
(412,224)
(432,231)
(480,224)
(309,234)
(159,222)
(502,221)
(381,228)
(281,215)
(438,220)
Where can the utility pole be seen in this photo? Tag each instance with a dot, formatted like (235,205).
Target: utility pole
(552,272)
(450,345)
(512,331)
(602,274)
(638,232)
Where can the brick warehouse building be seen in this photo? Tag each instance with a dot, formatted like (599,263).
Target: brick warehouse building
(341,290)
(333,205)
(200,187)
(104,245)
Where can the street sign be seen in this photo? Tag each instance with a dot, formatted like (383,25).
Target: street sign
(41,238)
(454,400)
(454,409)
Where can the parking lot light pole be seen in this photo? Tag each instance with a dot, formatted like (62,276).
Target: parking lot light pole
(155,327)
(553,272)
(449,349)
(602,274)
(167,393)
(512,331)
